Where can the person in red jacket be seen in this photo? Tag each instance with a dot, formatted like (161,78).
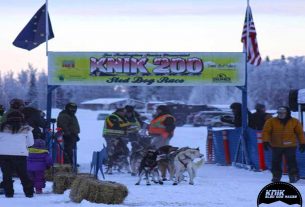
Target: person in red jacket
(162,127)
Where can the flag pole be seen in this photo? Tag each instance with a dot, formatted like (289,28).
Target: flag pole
(47,28)
(245,98)
(248,26)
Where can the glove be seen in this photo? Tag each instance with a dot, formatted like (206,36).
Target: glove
(302,148)
(266,146)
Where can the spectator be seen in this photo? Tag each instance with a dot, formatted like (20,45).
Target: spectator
(237,113)
(38,161)
(134,118)
(162,127)
(114,132)
(15,105)
(1,112)
(35,118)
(281,134)
(1,116)
(68,122)
(15,138)
(258,119)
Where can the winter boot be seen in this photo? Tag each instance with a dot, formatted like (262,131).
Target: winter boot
(28,190)
(294,178)
(1,188)
(38,191)
(29,195)
(275,180)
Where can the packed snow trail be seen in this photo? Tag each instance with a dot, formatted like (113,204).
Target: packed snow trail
(223,186)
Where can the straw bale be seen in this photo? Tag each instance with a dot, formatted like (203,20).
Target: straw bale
(62,181)
(97,191)
(57,168)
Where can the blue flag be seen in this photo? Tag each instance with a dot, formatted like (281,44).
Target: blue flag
(34,33)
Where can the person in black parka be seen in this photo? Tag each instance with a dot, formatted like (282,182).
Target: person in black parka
(258,119)
(68,122)
(237,113)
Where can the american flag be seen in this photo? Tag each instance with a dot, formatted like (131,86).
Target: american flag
(254,57)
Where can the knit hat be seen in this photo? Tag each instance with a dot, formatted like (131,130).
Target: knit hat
(16,103)
(129,108)
(260,107)
(70,106)
(163,109)
(236,106)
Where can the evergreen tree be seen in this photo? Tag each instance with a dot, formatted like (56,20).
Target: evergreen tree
(2,97)
(42,90)
(268,84)
(32,96)
(60,99)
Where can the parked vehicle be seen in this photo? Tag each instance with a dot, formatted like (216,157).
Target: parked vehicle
(182,112)
(152,105)
(190,117)
(211,118)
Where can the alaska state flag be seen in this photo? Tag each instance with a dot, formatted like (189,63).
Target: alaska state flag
(34,33)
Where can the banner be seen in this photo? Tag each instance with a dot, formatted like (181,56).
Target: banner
(146,68)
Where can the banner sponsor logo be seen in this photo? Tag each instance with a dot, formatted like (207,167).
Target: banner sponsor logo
(221,77)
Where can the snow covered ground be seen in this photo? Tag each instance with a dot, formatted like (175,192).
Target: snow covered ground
(222,186)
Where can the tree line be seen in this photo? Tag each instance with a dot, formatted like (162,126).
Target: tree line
(268,84)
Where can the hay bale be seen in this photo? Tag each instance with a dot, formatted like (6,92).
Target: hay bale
(97,191)
(57,168)
(62,181)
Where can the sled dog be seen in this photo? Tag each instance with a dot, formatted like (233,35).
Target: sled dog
(138,151)
(165,155)
(185,161)
(149,167)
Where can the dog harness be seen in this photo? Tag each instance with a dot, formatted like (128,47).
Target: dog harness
(181,161)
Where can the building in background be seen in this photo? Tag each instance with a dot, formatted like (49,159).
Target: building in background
(111,103)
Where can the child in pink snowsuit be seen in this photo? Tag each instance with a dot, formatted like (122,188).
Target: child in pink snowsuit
(38,161)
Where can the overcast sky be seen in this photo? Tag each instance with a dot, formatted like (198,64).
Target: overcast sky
(155,25)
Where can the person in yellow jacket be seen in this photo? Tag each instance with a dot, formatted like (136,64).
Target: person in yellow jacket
(282,134)
(115,132)
(162,127)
